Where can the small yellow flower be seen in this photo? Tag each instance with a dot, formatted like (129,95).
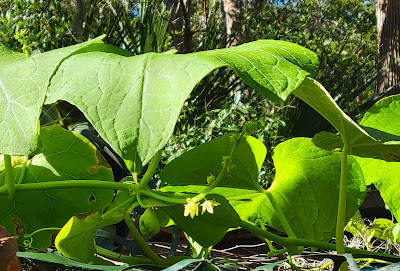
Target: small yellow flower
(208,205)
(191,208)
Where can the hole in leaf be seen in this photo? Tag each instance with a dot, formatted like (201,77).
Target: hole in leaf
(16,221)
(20,230)
(91,199)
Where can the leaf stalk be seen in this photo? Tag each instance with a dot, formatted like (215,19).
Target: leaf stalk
(223,171)
(341,216)
(142,243)
(9,177)
(150,171)
(68,184)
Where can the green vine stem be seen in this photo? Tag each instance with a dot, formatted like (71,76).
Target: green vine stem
(272,250)
(280,214)
(225,169)
(142,243)
(23,170)
(153,194)
(341,215)
(293,242)
(28,243)
(369,261)
(67,184)
(150,171)
(132,201)
(340,224)
(11,189)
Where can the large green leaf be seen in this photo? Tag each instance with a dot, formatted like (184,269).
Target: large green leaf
(306,186)
(377,152)
(383,122)
(66,156)
(23,86)
(383,119)
(134,102)
(206,159)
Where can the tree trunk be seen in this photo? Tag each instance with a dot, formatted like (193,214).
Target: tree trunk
(186,7)
(388,25)
(230,12)
(79,9)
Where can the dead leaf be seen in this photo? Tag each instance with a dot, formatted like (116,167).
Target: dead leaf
(8,249)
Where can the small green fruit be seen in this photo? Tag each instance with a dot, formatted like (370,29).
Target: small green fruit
(148,222)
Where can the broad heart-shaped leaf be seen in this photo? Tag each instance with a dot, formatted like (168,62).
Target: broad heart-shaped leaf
(76,238)
(23,86)
(362,143)
(134,102)
(206,159)
(306,188)
(206,229)
(66,156)
(382,121)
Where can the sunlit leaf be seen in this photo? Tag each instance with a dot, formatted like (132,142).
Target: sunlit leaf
(23,86)
(306,188)
(146,92)
(76,238)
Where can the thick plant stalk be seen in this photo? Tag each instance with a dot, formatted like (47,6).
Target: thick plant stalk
(23,171)
(142,243)
(341,215)
(340,224)
(281,215)
(9,177)
(225,169)
(68,184)
(150,171)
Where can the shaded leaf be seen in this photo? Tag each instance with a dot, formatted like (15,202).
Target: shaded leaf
(66,156)
(206,229)
(384,175)
(206,159)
